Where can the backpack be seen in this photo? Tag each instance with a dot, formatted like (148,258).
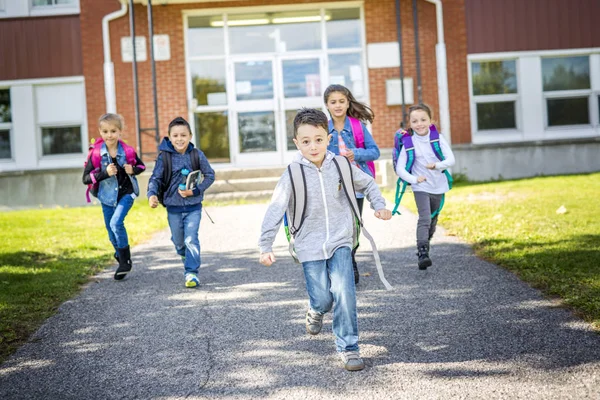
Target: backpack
(404,139)
(294,218)
(95,158)
(167,171)
(359,140)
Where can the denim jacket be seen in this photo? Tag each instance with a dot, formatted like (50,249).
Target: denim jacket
(108,189)
(361,156)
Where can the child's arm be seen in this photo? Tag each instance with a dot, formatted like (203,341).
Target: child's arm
(448,155)
(90,176)
(155,182)
(371,150)
(273,218)
(401,169)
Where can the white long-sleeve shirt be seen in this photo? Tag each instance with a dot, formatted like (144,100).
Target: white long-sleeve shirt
(436,182)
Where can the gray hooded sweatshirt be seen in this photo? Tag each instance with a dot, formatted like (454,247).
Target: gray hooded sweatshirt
(329,221)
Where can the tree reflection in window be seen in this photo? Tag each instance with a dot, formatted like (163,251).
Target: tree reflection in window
(566,73)
(494,77)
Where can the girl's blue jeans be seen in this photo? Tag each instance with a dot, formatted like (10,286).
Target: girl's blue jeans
(184,234)
(114,219)
(330,283)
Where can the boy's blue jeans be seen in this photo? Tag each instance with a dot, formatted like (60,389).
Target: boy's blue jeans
(331,283)
(184,234)
(114,219)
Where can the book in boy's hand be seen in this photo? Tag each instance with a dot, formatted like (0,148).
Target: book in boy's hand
(194,178)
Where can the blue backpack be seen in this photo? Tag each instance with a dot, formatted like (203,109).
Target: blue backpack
(404,139)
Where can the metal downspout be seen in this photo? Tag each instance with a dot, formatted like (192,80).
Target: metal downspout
(442,71)
(417,51)
(109,68)
(399,33)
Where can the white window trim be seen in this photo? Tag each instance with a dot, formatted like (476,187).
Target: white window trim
(56,9)
(495,135)
(546,132)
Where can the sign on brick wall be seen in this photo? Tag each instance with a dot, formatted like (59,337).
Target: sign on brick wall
(127,49)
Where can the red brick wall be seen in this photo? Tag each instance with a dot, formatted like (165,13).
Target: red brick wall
(171,81)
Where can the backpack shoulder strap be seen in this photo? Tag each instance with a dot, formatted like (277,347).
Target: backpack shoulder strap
(95,147)
(434,141)
(166,176)
(130,155)
(195,159)
(297,214)
(345,170)
(357,132)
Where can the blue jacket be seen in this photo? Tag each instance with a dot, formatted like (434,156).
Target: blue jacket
(172,199)
(361,156)
(108,186)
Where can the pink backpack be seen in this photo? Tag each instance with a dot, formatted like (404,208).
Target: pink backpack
(359,139)
(95,158)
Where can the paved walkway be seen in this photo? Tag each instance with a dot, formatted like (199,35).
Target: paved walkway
(462,329)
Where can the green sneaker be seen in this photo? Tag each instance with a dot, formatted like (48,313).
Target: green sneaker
(191,280)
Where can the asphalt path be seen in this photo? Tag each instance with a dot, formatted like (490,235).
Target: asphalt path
(463,329)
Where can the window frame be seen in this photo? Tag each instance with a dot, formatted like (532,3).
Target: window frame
(62,124)
(508,133)
(54,9)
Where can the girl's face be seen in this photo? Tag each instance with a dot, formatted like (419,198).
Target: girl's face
(110,133)
(337,104)
(180,138)
(419,122)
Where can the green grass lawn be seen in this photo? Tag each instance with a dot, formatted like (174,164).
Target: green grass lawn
(515,224)
(47,254)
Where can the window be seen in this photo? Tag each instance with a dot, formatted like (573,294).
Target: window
(61,140)
(495,93)
(2,5)
(5,125)
(44,3)
(567,90)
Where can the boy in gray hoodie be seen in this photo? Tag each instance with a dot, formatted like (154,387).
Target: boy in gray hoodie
(324,242)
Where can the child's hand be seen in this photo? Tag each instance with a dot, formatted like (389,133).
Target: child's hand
(349,155)
(153,201)
(430,166)
(421,179)
(111,170)
(383,214)
(267,259)
(185,193)
(128,169)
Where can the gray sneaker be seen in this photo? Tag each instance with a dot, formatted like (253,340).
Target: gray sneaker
(352,360)
(314,322)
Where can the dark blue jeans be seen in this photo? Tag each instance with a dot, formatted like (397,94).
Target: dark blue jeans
(114,219)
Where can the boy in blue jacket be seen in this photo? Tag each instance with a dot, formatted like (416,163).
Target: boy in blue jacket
(184,207)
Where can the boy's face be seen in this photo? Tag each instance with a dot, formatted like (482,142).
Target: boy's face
(312,141)
(180,138)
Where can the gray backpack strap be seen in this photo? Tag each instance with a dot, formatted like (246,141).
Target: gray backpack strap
(345,170)
(294,217)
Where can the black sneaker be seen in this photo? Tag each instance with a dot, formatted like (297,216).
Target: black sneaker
(424,260)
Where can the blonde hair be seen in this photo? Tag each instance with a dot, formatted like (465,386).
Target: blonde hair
(114,119)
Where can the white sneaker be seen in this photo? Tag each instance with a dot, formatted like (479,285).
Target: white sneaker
(352,360)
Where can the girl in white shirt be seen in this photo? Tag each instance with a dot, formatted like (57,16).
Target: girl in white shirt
(429,183)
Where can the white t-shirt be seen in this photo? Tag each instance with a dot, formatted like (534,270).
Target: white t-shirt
(436,182)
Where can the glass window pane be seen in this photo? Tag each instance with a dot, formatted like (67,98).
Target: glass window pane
(254,80)
(301,78)
(571,111)
(289,128)
(346,70)
(213,135)
(343,28)
(62,140)
(5,144)
(566,73)
(257,131)
(494,77)
(250,33)
(499,115)
(205,36)
(65,1)
(208,82)
(5,114)
(42,2)
(288,24)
